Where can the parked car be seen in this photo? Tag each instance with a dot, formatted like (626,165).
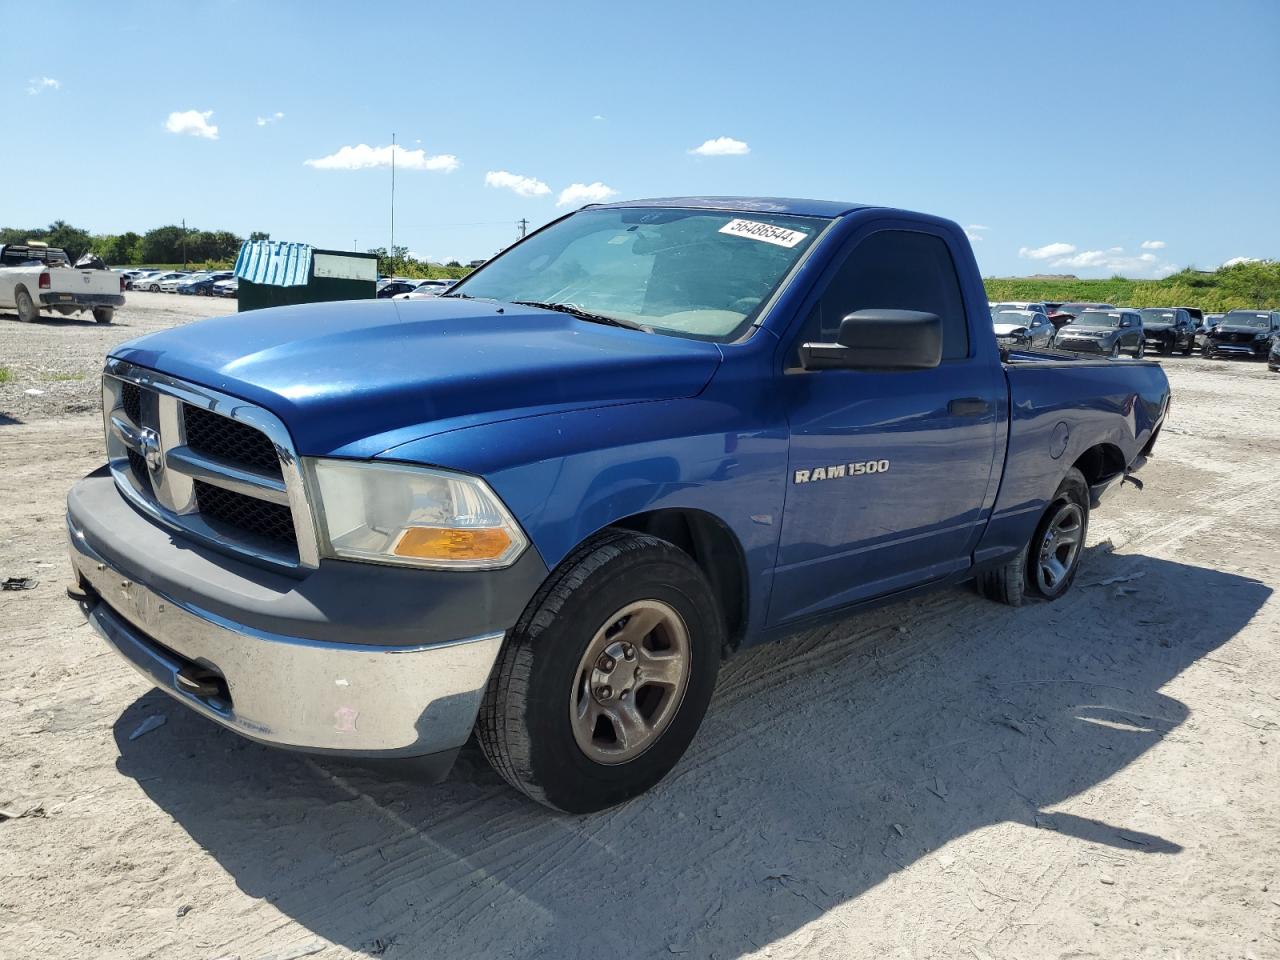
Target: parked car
(140,279)
(426,289)
(1243,333)
(1025,328)
(36,277)
(548,521)
(1107,332)
(227,288)
(1169,329)
(201,285)
(1273,357)
(395,288)
(1202,331)
(1066,312)
(1035,305)
(153,282)
(171,283)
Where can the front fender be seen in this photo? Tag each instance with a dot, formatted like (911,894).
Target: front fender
(566,476)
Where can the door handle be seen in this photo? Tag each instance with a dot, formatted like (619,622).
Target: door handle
(969,407)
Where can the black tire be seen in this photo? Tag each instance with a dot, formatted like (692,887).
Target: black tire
(1073,490)
(1191,345)
(1115,350)
(104,314)
(1141,349)
(1005,584)
(28,312)
(524,726)
(1016,580)
(154,288)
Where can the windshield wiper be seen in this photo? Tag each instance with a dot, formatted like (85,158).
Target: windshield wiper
(576,311)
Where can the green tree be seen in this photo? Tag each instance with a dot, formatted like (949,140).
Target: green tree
(162,245)
(258,235)
(75,241)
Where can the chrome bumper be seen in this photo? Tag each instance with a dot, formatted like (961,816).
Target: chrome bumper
(323,697)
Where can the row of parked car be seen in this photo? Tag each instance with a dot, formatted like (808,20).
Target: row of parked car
(205,283)
(1103,328)
(408,288)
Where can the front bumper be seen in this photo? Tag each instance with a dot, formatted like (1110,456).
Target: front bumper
(1247,348)
(288,689)
(1081,345)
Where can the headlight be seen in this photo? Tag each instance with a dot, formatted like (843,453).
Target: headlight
(1262,336)
(393,513)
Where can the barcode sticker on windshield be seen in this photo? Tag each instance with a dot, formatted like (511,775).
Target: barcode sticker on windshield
(754,230)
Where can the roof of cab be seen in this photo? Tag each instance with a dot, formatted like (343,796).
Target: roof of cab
(785,205)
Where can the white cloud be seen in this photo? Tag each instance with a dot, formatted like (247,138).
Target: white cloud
(270,118)
(721,147)
(522,186)
(598,116)
(580,193)
(1047,251)
(193,122)
(364,157)
(1153,244)
(1236,261)
(977,227)
(38,85)
(1114,260)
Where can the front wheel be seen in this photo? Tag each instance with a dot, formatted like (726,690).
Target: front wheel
(1141,349)
(1115,351)
(1186,351)
(603,682)
(28,312)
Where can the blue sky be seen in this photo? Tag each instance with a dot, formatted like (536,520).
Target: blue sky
(1070,133)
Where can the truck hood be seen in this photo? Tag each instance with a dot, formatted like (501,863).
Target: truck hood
(356,378)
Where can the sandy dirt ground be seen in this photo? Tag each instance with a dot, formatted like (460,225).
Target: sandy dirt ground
(1096,777)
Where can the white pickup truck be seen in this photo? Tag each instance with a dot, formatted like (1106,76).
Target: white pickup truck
(35,277)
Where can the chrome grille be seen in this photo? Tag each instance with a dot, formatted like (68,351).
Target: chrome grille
(219,436)
(212,466)
(273,521)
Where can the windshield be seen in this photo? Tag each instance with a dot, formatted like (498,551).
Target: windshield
(692,273)
(1096,318)
(1155,316)
(1262,320)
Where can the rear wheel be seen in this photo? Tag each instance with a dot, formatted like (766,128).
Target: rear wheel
(602,684)
(1140,350)
(1191,343)
(1047,566)
(28,312)
(103,314)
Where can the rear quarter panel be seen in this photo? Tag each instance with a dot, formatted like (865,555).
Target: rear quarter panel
(1059,409)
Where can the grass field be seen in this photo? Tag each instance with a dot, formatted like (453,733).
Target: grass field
(1245,286)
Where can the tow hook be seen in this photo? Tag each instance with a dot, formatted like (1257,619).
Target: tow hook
(204,684)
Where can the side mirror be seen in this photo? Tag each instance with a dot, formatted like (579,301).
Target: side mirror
(879,340)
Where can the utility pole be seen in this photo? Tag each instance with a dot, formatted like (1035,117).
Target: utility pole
(184,243)
(391,251)
(523,224)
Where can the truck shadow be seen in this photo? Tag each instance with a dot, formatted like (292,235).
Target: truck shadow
(825,765)
(46,320)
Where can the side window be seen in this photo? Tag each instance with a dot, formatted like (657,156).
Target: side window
(897,270)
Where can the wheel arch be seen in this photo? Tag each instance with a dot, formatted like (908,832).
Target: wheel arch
(1100,463)
(713,547)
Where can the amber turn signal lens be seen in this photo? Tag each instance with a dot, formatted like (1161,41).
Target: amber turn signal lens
(452,543)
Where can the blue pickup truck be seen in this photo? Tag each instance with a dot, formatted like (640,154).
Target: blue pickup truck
(544,506)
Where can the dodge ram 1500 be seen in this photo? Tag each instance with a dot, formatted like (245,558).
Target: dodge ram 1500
(35,277)
(544,505)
